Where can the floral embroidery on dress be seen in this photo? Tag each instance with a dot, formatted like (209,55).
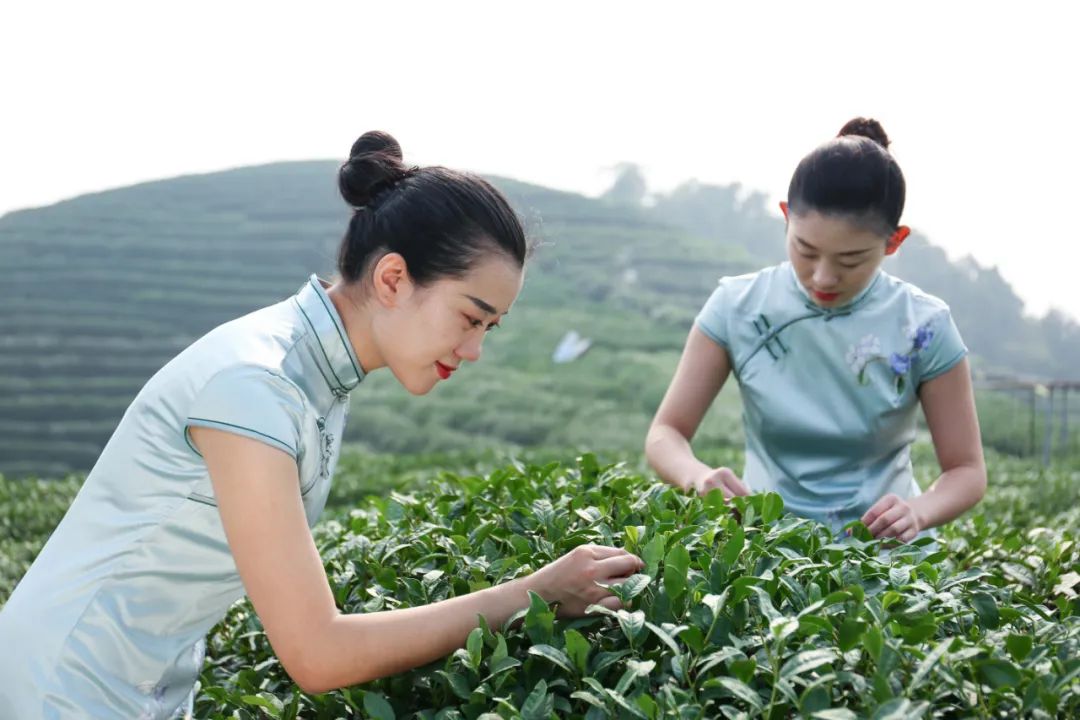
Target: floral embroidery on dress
(862,353)
(326,440)
(868,350)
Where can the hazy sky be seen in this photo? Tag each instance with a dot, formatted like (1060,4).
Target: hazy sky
(980,99)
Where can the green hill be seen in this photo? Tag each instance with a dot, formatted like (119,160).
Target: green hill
(100,291)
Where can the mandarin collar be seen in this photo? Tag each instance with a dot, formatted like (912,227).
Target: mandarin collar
(336,357)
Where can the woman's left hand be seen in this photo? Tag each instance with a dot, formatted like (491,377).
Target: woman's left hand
(892,517)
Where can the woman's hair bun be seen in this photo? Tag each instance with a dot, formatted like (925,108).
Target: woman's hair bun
(866,127)
(374,164)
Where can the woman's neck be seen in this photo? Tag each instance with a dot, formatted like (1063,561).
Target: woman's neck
(356,317)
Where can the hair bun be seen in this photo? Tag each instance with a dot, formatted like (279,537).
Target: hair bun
(375,163)
(866,127)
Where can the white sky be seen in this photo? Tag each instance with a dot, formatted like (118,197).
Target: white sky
(976,96)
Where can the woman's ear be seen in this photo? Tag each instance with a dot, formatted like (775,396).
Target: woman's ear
(390,280)
(783,209)
(897,239)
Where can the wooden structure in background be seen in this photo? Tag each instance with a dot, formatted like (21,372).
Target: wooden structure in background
(1056,410)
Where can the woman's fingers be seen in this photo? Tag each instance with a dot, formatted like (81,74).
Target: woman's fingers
(724,480)
(884,503)
(600,552)
(613,569)
(610,602)
(731,482)
(886,520)
(898,529)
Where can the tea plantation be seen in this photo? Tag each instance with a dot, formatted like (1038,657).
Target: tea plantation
(742,610)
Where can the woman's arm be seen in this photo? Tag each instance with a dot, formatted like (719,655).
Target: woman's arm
(258,496)
(948,402)
(702,371)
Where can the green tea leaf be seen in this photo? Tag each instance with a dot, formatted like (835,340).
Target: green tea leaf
(632,623)
(376,706)
(676,566)
(501,665)
(806,661)
(458,684)
(998,673)
(743,669)
(622,702)
(500,650)
(653,554)
(739,690)
(577,648)
(631,587)
(782,627)
(539,704)
(1019,646)
(987,610)
(603,660)
(553,655)
(895,709)
(588,697)
(835,714)
(850,632)
(873,641)
(664,637)
(928,664)
(539,620)
(734,546)
(772,506)
(715,603)
(474,645)
(270,703)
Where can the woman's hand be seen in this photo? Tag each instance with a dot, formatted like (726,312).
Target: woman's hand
(721,478)
(571,581)
(892,517)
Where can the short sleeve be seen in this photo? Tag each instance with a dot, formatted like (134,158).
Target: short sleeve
(939,343)
(713,317)
(253,402)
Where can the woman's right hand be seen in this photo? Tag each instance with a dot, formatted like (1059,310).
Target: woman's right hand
(721,478)
(571,581)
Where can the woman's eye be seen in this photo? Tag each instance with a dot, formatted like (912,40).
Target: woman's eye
(473,322)
(850,267)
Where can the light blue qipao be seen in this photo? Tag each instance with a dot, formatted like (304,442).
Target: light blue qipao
(830,395)
(110,619)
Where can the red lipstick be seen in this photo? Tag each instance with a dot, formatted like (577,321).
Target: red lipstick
(826,297)
(445,371)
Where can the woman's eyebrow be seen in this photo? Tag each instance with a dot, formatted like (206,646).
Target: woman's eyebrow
(849,252)
(486,307)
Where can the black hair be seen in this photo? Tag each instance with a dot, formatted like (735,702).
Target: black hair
(441,221)
(852,174)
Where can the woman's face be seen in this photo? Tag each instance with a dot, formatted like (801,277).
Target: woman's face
(834,257)
(433,329)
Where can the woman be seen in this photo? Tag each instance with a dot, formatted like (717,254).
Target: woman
(833,358)
(210,483)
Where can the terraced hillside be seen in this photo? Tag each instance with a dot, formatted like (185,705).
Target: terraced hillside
(100,291)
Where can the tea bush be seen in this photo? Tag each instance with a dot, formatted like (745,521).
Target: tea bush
(742,611)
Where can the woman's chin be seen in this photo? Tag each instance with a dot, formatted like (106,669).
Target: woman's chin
(420,387)
(415,383)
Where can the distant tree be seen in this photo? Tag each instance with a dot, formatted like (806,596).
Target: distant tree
(727,214)
(1061,336)
(629,187)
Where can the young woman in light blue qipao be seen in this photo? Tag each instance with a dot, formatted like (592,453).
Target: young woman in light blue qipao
(833,357)
(210,483)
